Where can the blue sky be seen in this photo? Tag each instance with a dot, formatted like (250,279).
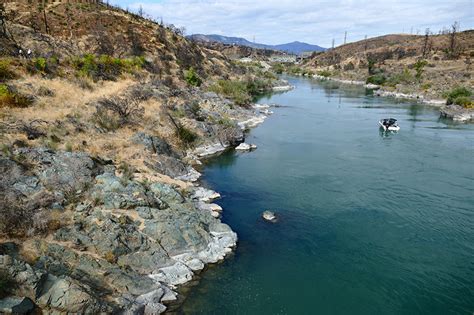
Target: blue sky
(315,22)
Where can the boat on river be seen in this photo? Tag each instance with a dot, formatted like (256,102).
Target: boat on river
(389,124)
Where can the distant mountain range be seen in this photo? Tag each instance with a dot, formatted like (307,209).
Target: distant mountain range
(293,48)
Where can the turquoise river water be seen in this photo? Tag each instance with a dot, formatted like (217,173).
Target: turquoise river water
(369,223)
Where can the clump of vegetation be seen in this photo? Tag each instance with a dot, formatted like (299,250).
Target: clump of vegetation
(127,172)
(106,67)
(404,77)
(241,92)
(294,70)
(192,78)
(278,68)
(10,98)
(419,68)
(113,112)
(324,73)
(371,65)
(378,79)
(185,135)
(460,96)
(6,73)
(110,257)
(43,65)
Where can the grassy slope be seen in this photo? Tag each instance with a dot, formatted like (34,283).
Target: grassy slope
(395,53)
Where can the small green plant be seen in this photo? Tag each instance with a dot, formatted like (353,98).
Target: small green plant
(377,79)
(464,101)
(419,68)
(40,64)
(278,68)
(404,77)
(110,257)
(5,70)
(192,77)
(68,147)
(324,73)
(12,99)
(371,65)
(458,94)
(185,135)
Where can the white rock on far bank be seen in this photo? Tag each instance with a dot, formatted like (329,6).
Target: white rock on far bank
(246,147)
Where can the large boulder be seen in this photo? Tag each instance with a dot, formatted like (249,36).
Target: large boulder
(66,295)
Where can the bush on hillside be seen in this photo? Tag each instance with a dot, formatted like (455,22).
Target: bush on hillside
(419,68)
(113,112)
(459,93)
(10,98)
(6,73)
(404,77)
(192,77)
(185,135)
(241,92)
(324,73)
(106,67)
(377,79)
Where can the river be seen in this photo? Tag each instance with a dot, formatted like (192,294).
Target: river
(369,223)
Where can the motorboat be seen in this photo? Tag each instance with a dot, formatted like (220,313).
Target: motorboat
(389,124)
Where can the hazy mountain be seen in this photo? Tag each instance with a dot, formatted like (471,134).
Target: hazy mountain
(294,47)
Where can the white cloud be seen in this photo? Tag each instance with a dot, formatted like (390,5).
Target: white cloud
(317,22)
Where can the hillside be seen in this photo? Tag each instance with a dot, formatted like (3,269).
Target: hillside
(67,29)
(402,63)
(292,48)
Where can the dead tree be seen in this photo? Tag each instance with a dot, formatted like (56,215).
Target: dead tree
(453,39)
(426,43)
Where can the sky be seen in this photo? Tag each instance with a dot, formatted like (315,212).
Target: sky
(315,22)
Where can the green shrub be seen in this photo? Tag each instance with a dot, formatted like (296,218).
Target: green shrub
(456,93)
(40,64)
(192,77)
(106,67)
(243,91)
(12,99)
(185,135)
(235,90)
(378,79)
(404,77)
(418,66)
(464,101)
(5,71)
(278,68)
(324,73)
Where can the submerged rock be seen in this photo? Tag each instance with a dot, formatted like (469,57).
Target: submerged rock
(269,216)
